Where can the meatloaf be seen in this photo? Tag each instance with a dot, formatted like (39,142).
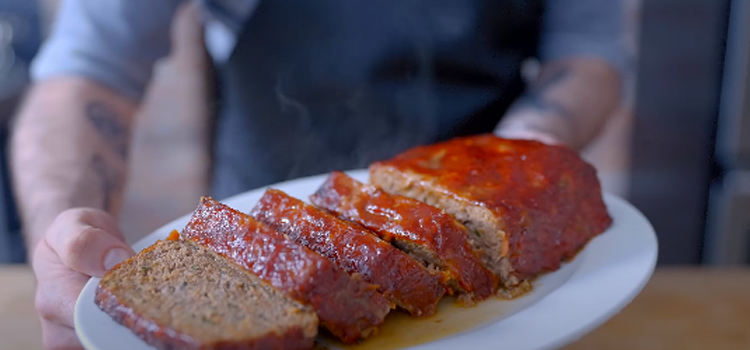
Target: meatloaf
(427,234)
(180,295)
(528,206)
(347,305)
(399,277)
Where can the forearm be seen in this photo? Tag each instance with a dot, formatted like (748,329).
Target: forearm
(69,149)
(570,100)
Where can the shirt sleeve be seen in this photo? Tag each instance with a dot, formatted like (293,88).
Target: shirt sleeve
(114,42)
(584,28)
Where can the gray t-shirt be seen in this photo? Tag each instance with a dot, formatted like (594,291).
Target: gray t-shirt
(116,42)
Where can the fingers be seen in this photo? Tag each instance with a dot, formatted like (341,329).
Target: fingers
(87,241)
(187,35)
(524,124)
(528,134)
(56,294)
(78,244)
(59,337)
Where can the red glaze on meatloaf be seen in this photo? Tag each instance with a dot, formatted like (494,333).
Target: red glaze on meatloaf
(347,305)
(533,205)
(399,277)
(427,233)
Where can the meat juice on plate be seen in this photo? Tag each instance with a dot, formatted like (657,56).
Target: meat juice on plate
(401,330)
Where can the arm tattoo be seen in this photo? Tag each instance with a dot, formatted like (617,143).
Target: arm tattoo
(535,96)
(110,179)
(107,123)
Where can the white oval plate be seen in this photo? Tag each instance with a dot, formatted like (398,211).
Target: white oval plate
(563,306)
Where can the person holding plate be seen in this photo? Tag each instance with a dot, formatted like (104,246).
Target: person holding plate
(304,87)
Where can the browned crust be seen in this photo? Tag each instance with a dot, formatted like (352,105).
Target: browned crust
(152,333)
(409,184)
(414,227)
(533,205)
(347,305)
(165,338)
(399,277)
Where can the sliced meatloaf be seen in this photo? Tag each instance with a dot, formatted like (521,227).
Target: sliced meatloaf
(527,205)
(427,234)
(180,295)
(399,277)
(347,305)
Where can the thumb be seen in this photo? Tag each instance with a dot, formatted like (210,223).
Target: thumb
(187,32)
(528,134)
(87,241)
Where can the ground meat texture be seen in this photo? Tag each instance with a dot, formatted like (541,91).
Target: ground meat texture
(399,277)
(427,234)
(527,205)
(180,295)
(347,305)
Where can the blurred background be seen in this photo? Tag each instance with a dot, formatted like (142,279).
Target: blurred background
(678,149)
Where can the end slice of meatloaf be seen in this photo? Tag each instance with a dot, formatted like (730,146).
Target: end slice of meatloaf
(348,306)
(180,295)
(427,234)
(399,277)
(527,205)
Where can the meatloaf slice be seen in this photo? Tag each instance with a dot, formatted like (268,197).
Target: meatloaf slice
(180,295)
(527,205)
(347,305)
(399,277)
(427,234)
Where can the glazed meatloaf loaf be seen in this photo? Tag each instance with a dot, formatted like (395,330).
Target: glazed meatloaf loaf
(399,277)
(528,206)
(427,234)
(180,295)
(347,305)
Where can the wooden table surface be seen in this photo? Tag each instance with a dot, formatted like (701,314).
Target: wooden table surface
(680,308)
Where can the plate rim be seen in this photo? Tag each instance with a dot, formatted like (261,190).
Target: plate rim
(644,276)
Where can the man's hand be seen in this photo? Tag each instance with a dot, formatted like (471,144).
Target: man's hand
(79,244)
(532,125)
(568,103)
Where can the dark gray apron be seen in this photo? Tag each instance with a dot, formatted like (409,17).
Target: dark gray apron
(318,85)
